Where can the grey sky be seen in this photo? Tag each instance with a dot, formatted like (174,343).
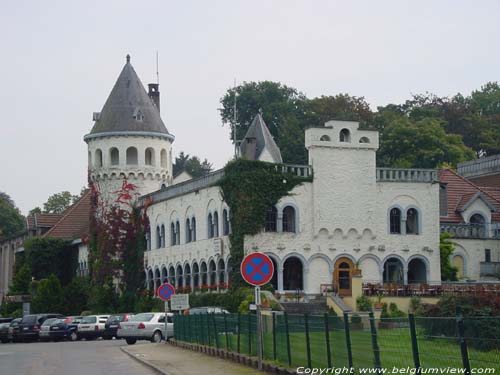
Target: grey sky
(60,60)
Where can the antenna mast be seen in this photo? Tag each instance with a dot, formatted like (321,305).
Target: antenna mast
(157,72)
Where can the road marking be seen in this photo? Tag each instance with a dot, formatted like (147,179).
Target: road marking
(6,353)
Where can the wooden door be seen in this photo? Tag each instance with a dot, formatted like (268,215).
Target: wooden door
(342,277)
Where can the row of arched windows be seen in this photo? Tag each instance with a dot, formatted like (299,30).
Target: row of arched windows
(344,137)
(131,157)
(404,222)
(287,219)
(190,230)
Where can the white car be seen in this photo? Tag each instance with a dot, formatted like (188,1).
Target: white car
(91,327)
(147,326)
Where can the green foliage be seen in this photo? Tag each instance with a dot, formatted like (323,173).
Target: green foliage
(446,247)
(59,202)
(364,303)
(103,297)
(250,188)
(47,295)
(355,319)
(191,164)
(231,300)
(46,256)
(391,311)
(416,306)
(21,283)
(11,220)
(75,296)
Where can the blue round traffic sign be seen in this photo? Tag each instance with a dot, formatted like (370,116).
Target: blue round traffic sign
(257,269)
(165,291)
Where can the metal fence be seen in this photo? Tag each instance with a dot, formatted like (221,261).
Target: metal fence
(355,341)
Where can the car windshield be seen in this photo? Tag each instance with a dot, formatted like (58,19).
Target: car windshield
(30,319)
(4,325)
(59,321)
(116,318)
(48,322)
(144,317)
(89,319)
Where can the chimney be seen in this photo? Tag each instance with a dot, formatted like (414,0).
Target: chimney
(154,94)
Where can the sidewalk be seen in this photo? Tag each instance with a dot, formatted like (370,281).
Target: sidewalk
(171,360)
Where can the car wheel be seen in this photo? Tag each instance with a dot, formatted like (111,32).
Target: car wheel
(131,341)
(107,337)
(156,337)
(73,336)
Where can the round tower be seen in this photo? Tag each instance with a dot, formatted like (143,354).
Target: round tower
(129,141)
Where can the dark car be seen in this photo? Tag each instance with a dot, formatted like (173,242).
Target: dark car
(29,327)
(64,329)
(112,324)
(14,329)
(4,332)
(6,320)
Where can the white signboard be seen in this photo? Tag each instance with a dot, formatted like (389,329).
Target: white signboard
(179,302)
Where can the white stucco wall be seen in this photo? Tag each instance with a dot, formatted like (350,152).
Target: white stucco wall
(473,253)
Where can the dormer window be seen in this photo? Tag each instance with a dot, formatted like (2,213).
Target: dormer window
(138,115)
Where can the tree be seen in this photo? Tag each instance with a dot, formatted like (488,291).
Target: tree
(59,202)
(36,210)
(47,295)
(446,247)
(406,143)
(191,164)
(21,283)
(11,220)
(75,296)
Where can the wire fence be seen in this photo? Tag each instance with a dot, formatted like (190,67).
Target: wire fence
(353,340)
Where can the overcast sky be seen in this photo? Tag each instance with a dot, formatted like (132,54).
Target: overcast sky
(60,60)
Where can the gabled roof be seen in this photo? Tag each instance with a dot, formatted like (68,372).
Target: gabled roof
(129,109)
(75,222)
(460,193)
(257,139)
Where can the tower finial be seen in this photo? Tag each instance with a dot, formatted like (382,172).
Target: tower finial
(128,58)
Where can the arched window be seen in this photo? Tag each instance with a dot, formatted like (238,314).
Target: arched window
(203,274)
(289,219)
(196,275)
(158,237)
(212,274)
(162,235)
(221,270)
(345,136)
(412,221)
(114,156)
(98,158)
(173,237)
(293,277)
(163,158)
(393,271)
(187,275)
(193,229)
(171,275)
(364,140)
(178,232)
(148,240)
(417,271)
(271,218)
(180,277)
(395,221)
(188,230)
(477,219)
(216,224)
(210,226)
(225,223)
(149,156)
(325,138)
(132,156)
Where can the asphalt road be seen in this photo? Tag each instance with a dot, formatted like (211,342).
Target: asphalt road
(68,358)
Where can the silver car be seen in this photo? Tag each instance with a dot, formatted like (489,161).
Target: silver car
(147,326)
(43,334)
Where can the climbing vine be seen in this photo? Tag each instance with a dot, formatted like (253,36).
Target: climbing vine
(249,188)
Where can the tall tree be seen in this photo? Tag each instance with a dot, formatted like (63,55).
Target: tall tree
(59,202)
(11,220)
(191,164)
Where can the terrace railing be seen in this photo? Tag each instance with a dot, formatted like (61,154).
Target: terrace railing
(406,175)
(465,230)
(489,268)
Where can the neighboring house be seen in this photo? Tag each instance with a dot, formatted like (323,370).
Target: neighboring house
(181,177)
(482,172)
(351,214)
(471,214)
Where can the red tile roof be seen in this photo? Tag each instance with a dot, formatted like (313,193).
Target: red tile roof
(74,224)
(460,191)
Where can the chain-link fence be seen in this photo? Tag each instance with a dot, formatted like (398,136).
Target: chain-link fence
(354,340)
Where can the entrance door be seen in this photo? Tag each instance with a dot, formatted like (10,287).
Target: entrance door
(342,277)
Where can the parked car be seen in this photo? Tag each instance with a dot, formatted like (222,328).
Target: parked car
(6,320)
(29,327)
(43,334)
(65,329)
(147,326)
(112,323)
(14,329)
(4,332)
(91,327)
(207,310)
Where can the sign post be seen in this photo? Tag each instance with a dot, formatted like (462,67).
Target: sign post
(165,293)
(257,269)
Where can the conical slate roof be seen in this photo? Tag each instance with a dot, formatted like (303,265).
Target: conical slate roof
(129,109)
(257,139)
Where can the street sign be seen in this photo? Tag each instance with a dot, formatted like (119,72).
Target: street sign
(179,302)
(165,291)
(257,269)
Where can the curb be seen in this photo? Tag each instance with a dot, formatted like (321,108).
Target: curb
(144,362)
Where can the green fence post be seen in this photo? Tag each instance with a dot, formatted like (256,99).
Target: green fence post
(239,335)
(348,339)
(463,343)
(327,339)
(308,342)
(215,331)
(225,332)
(274,337)
(376,349)
(208,330)
(414,342)
(249,334)
(287,332)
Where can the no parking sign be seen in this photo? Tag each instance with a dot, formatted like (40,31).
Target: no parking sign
(257,269)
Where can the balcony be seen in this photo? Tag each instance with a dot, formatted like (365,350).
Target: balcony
(406,175)
(489,269)
(473,231)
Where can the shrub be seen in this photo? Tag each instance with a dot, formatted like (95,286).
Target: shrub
(364,303)
(395,312)
(355,319)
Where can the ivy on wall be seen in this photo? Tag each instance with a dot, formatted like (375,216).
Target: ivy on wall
(249,188)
